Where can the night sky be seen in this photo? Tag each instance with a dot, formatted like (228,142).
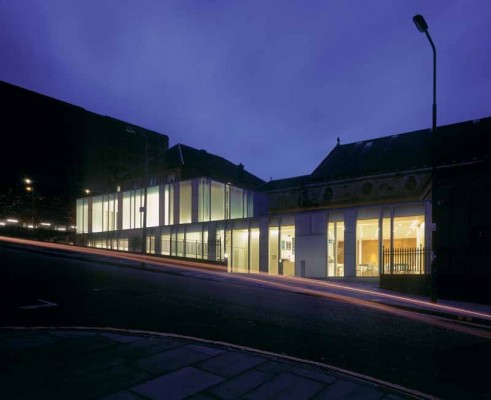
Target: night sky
(270,84)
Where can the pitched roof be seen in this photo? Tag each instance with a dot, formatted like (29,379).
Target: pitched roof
(456,143)
(376,156)
(196,163)
(287,183)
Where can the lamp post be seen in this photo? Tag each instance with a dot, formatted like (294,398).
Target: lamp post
(422,26)
(143,209)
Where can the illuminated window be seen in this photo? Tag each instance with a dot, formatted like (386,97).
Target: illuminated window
(217,201)
(132,206)
(240,250)
(153,206)
(185,201)
(82,215)
(236,202)
(254,257)
(335,245)
(169,204)
(368,243)
(204,200)
(97,212)
(287,250)
(273,250)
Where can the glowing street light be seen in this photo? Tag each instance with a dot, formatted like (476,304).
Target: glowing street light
(30,188)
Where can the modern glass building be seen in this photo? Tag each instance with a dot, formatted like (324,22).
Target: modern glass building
(333,223)
(365,211)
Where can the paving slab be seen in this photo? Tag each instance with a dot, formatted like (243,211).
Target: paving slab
(144,348)
(239,385)
(26,342)
(170,360)
(121,338)
(72,334)
(177,385)
(350,390)
(212,351)
(313,372)
(123,395)
(286,386)
(231,363)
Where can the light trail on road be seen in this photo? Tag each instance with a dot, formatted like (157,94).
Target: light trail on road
(266,279)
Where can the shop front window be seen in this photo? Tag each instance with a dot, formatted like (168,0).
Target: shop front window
(240,250)
(367,247)
(408,255)
(287,250)
(273,250)
(335,248)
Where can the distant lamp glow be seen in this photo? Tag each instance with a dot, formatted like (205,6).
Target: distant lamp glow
(29,188)
(14,221)
(226,255)
(30,226)
(2,223)
(45,224)
(87,191)
(27,181)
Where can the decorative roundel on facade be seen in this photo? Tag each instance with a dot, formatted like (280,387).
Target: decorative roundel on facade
(367,187)
(328,193)
(410,183)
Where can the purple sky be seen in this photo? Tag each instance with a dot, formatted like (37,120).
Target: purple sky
(270,84)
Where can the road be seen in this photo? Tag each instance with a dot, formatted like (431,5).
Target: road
(76,289)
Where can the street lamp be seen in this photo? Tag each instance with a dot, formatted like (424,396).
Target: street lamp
(143,209)
(422,26)
(30,189)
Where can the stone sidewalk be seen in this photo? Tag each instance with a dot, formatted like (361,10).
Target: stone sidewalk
(109,364)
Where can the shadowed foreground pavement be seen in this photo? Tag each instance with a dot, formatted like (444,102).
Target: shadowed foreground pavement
(109,364)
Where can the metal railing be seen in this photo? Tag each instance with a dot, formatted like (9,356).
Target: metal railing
(192,249)
(407,260)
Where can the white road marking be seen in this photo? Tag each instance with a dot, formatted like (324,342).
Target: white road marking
(45,303)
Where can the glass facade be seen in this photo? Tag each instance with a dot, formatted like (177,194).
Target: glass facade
(168,205)
(185,202)
(254,250)
(273,249)
(240,252)
(217,201)
(367,247)
(132,206)
(364,241)
(287,250)
(236,202)
(97,214)
(82,215)
(104,213)
(335,246)
(153,208)
(204,190)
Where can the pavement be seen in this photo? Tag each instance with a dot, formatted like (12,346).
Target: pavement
(110,364)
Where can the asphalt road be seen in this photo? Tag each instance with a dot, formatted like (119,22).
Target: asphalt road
(94,291)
